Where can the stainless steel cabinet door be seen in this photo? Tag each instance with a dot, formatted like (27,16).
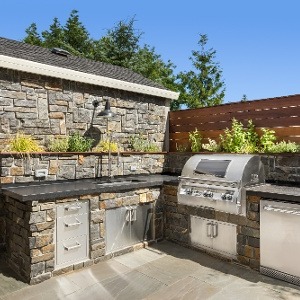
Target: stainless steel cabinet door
(117,231)
(279,236)
(126,226)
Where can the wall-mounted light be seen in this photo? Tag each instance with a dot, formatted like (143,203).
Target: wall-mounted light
(106,112)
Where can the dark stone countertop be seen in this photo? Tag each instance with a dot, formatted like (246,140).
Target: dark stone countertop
(50,190)
(276,192)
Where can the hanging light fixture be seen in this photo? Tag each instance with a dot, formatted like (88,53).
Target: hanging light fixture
(106,112)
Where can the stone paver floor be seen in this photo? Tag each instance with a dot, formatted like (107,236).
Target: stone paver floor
(162,271)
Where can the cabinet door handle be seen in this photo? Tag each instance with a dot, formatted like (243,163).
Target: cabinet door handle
(208,230)
(78,245)
(214,230)
(73,224)
(133,214)
(128,215)
(72,207)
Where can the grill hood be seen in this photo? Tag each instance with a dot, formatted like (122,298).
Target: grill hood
(218,181)
(243,169)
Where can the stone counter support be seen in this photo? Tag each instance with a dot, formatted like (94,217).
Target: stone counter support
(30,230)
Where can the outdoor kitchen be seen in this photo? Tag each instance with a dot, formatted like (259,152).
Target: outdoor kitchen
(63,211)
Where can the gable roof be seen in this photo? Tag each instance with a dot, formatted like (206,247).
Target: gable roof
(34,59)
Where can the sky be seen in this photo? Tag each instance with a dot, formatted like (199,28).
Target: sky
(257,42)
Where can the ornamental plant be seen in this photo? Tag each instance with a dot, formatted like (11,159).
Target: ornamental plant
(239,139)
(140,143)
(58,144)
(105,146)
(78,143)
(23,143)
(195,140)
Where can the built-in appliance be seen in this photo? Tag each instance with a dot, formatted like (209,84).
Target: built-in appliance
(280,240)
(72,233)
(219,181)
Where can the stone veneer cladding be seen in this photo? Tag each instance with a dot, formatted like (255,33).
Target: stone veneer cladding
(45,107)
(16,168)
(31,230)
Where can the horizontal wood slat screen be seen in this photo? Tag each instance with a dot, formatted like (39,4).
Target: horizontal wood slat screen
(280,114)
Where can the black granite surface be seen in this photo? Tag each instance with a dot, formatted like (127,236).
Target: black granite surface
(275,192)
(62,189)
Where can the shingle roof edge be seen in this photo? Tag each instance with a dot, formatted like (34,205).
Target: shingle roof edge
(68,74)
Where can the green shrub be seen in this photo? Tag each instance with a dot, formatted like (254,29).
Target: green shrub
(142,144)
(283,146)
(239,139)
(104,146)
(78,143)
(58,144)
(23,143)
(212,146)
(195,140)
(267,140)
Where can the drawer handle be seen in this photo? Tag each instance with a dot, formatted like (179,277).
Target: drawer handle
(78,245)
(73,224)
(72,207)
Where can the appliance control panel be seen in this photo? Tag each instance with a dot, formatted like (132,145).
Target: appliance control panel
(209,193)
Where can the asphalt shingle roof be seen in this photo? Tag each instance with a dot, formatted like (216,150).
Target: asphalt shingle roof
(42,55)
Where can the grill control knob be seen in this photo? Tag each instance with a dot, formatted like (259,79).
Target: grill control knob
(208,194)
(228,197)
(223,196)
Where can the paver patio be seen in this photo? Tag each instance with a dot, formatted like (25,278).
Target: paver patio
(162,271)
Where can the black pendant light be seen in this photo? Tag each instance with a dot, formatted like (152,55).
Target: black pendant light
(106,112)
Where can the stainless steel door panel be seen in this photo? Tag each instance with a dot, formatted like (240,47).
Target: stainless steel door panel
(72,226)
(126,226)
(139,227)
(201,232)
(226,240)
(72,208)
(220,237)
(279,236)
(117,229)
(71,250)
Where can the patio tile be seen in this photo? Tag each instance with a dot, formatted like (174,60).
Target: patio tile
(132,285)
(96,273)
(188,288)
(139,258)
(55,288)
(168,269)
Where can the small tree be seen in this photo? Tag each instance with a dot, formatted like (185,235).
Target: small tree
(203,86)
(33,37)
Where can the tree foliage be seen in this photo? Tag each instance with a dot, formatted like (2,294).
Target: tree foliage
(121,45)
(202,86)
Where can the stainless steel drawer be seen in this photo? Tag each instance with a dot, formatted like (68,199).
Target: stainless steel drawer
(71,226)
(72,208)
(71,251)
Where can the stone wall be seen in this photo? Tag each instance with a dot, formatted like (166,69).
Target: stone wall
(45,107)
(279,168)
(14,168)
(30,236)
(177,224)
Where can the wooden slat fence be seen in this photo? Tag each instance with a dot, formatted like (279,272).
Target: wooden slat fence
(280,114)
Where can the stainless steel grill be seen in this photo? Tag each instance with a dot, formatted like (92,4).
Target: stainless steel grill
(219,181)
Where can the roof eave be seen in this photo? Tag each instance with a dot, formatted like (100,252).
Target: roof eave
(68,74)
